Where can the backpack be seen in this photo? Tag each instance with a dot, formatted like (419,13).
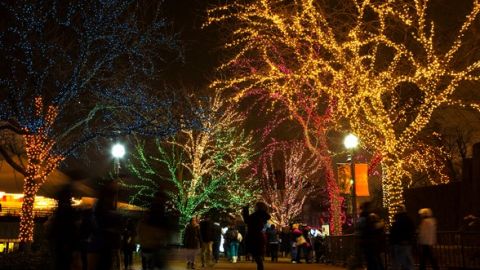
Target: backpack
(232,234)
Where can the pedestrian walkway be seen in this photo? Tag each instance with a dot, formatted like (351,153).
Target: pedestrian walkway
(283,264)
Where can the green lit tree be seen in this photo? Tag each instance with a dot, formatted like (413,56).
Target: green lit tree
(199,169)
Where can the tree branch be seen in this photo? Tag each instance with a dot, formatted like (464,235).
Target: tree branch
(12,163)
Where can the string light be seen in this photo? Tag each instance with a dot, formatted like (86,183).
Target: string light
(365,59)
(286,196)
(40,163)
(314,122)
(203,165)
(107,55)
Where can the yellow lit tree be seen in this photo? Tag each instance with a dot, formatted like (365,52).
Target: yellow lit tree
(387,65)
(203,166)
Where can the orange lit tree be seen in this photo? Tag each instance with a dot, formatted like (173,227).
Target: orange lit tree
(73,72)
(388,66)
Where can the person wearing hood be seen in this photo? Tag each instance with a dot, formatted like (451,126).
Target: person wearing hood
(427,237)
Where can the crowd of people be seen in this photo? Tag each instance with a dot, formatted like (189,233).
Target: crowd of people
(251,238)
(99,238)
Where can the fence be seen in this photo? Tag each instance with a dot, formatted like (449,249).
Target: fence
(454,250)
(15,212)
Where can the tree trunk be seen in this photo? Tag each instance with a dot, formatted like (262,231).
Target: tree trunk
(335,209)
(27,222)
(392,175)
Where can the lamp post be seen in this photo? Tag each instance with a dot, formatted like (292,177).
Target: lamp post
(118,151)
(351,142)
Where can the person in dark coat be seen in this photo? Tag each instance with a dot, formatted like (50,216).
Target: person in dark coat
(105,244)
(128,243)
(273,242)
(192,241)
(370,230)
(62,230)
(217,238)
(153,232)
(285,241)
(402,235)
(255,239)
(206,233)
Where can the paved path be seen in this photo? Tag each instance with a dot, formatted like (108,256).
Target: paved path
(283,264)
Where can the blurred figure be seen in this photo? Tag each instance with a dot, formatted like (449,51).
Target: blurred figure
(285,241)
(128,243)
(206,234)
(319,247)
(370,229)
(192,241)
(217,239)
(152,232)
(85,235)
(293,234)
(427,237)
(273,242)
(105,239)
(234,238)
(402,234)
(242,229)
(63,231)
(255,240)
(302,246)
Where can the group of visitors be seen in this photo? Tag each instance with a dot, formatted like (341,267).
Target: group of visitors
(203,235)
(371,235)
(95,239)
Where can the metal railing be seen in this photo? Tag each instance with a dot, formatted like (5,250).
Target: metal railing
(15,212)
(454,250)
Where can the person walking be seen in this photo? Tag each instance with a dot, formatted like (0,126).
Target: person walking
(402,234)
(255,240)
(153,232)
(370,230)
(206,234)
(62,231)
(217,239)
(273,242)
(105,243)
(285,241)
(427,237)
(128,243)
(234,238)
(192,240)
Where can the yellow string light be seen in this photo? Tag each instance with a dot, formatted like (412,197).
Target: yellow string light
(363,58)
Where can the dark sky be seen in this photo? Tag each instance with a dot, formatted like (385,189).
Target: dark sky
(201,45)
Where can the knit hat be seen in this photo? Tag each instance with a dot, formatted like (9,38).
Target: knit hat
(425,212)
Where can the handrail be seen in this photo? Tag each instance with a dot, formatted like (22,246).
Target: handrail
(454,249)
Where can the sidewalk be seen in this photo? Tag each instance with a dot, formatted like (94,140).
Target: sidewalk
(283,264)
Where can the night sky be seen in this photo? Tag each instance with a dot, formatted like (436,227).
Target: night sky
(202,53)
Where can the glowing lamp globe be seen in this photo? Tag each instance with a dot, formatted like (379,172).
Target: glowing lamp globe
(118,151)
(351,141)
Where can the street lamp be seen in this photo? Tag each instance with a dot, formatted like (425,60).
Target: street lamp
(118,151)
(351,143)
